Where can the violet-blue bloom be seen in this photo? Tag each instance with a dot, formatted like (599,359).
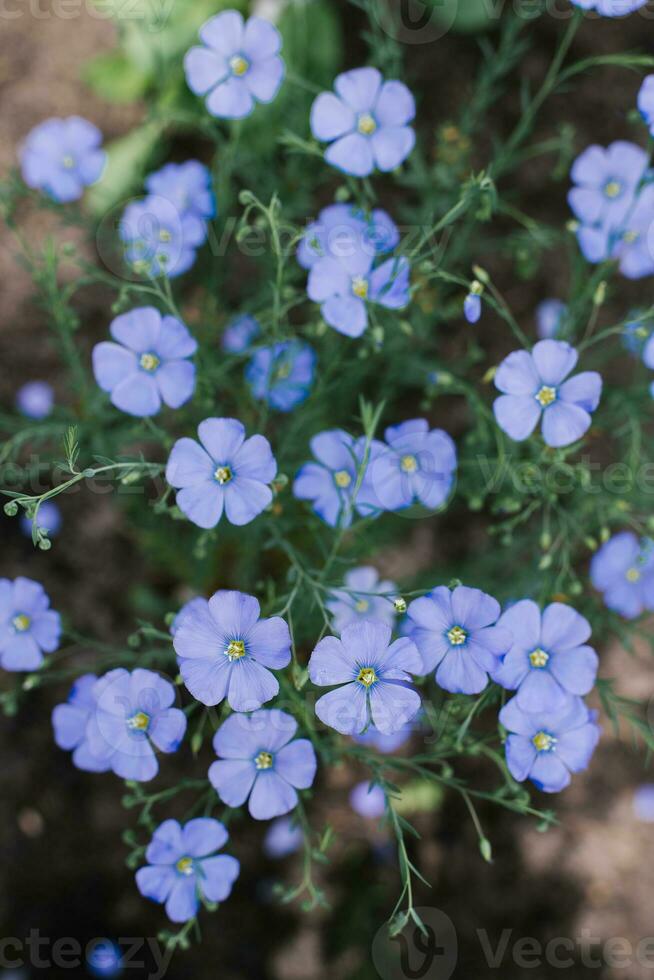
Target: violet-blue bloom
(238,65)
(646,102)
(548,746)
(457,634)
(62,156)
(366,122)
(342,229)
(284,837)
(224,471)
(183,867)
(239,334)
(132,715)
(472,307)
(629,242)
(196,604)
(606,181)
(371,674)
(623,570)
(416,466)
(643,803)
(35,399)
(48,519)
(104,958)
(260,760)
(158,238)
(610,8)
(282,375)
(70,721)
(368,800)
(549,318)
(28,627)
(187,186)
(148,364)
(226,651)
(365,597)
(549,661)
(533,385)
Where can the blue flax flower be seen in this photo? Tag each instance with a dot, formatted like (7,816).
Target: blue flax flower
(371,674)
(606,181)
(62,156)
(284,837)
(261,761)
(197,604)
(226,651)
(70,721)
(158,238)
(238,65)
(643,803)
(628,242)
(364,597)
(610,8)
(132,715)
(534,386)
(366,122)
(331,482)
(549,660)
(48,519)
(368,800)
(456,634)
(183,867)
(637,332)
(646,102)
(341,229)
(623,569)
(547,746)
(187,186)
(472,307)
(549,318)
(224,471)
(239,334)
(35,399)
(148,364)
(28,627)
(282,375)
(416,466)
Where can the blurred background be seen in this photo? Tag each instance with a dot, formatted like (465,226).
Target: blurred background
(62,868)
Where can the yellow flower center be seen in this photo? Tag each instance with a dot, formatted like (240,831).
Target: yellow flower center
(223,475)
(630,237)
(342,479)
(264,760)
(543,742)
(164,235)
(538,658)
(408,464)
(546,396)
(139,722)
(149,362)
(21,622)
(367,676)
(185,866)
(68,162)
(633,575)
(235,650)
(366,124)
(612,188)
(362,606)
(457,636)
(239,65)
(360,287)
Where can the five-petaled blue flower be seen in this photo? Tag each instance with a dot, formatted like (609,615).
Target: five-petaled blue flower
(366,122)
(282,375)
(259,759)
(457,634)
(549,660)
(534,385)
(226,651)
(224,471)
(548,746)
(158,238)
(610,8)
(132,714)
(364,597)
(62,156)
(183,867)
(371,674)
(606,181)
(549,318)
(416,466)
(187,186)
(238,66)
(70,721)
(284,837)
(239,334)
(35,399)
(333,483)
(28,627)
(149,363)
(623,569)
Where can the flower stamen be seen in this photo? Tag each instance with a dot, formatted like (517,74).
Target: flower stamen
(21,622)
(235,650)
(538,658)
(546,396)
(239,65)
(263,760)
(366,124)
(223,475)
(457,636)
(342,479)
(149,362)
(367,676)
(408,464)
(185,866)
(139,722)
(360,287)
(543,742)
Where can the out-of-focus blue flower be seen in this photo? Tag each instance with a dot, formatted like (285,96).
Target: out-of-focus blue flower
(366,122)
(259,758)
(70,721)
(238,66)
(223,471)
(534,385)
(194,605)
(630,243)
(456,635)
(636,333)
(48,518)
(548,746)
(623,569)
(342,229)
(226,651)
(183,866)
(187,186)
(132,715)
(387,743)
(149,363)
(610,8)
(644,803)
(472,307)
(239,334)
(648,359)
(159,239)
(104,958)
(646,102)
(331,482)
(549,317)
(28,627)
(549,660)
(282,375)
(371,674)
(365,597)
(368,800)
(416,466)
(35,399)
(606,181)
(62,156)
(284,837)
